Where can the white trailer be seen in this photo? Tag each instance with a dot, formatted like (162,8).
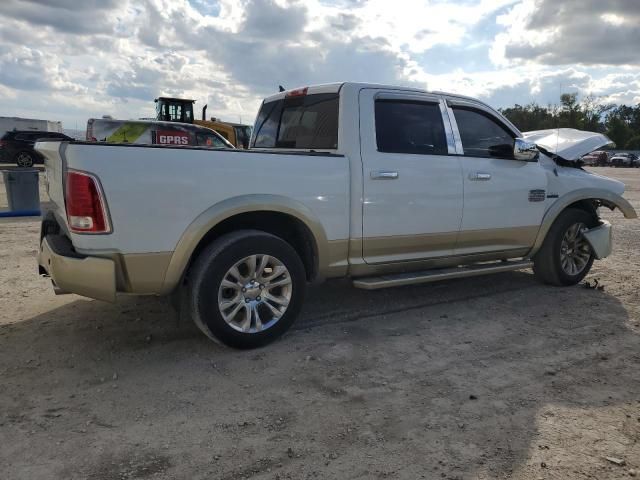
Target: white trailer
(9,123)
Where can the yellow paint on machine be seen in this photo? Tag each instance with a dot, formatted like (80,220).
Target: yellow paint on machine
(127,133)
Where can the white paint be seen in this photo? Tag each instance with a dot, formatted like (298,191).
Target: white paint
(154,194)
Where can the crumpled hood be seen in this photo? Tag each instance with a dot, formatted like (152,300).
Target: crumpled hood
(568,143)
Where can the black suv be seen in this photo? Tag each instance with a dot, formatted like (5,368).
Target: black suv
(17,146)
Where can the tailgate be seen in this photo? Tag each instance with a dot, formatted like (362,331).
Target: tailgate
(54,173)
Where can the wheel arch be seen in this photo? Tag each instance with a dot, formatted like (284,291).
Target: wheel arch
(588,199)
(281,216)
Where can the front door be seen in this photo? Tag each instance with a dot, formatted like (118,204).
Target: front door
(412,205)
(504,199)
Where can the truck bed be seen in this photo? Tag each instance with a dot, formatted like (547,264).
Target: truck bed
(154,193)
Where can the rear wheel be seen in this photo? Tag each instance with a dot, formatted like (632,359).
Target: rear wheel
(566,257)
(246,288)
(24,160)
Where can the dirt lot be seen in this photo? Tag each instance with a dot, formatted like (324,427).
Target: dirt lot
(497,377)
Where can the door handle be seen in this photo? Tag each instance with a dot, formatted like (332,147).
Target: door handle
(384,175)
(480,176)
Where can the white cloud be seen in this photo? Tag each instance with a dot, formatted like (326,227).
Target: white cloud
(73,60)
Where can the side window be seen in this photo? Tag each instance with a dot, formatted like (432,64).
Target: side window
(209,140)
(404,126)
(483,136)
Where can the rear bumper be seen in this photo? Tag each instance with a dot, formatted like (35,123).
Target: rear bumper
(74,273)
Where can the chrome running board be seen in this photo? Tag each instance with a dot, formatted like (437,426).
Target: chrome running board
(412,278)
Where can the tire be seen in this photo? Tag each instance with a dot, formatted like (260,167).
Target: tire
(548,262)
(259,317)
(24,159)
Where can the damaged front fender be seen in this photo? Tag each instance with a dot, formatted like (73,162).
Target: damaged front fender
(598,196)
(620,203)
(600,239)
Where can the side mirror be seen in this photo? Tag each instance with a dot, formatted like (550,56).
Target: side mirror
(525,151)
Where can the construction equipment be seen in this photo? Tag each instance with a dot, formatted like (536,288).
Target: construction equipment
(170,109)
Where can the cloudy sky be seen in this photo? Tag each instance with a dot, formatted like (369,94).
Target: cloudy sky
(70,60)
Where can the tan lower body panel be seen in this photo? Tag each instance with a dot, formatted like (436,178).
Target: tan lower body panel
(144,273)
(402,248)
(495,239)
(337,264)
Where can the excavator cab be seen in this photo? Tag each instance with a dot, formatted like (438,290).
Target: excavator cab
(170,109)
(174,109)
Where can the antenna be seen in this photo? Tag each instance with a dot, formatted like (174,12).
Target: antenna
(558,124)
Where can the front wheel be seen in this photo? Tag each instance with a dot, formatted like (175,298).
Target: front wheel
(246,288)
(566,257)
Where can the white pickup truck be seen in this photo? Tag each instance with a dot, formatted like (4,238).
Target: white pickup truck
(389,186)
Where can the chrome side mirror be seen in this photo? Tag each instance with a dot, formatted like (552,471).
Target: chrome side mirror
(525,151)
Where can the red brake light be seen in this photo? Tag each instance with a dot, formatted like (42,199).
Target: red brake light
(86,212)
(299,92)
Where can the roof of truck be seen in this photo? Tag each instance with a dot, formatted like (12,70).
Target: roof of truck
(336,86)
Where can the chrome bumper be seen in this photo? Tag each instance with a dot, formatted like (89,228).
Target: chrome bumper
(73,273)
(600,238)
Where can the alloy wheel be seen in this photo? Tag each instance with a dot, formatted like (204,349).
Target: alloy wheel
(255,293)
(575,251)
(24,160)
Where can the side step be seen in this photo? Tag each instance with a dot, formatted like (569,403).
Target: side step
(386,281)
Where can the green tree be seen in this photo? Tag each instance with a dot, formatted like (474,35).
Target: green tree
(529,117)
(618,130)
(593,113)
(633,143)
(621,123)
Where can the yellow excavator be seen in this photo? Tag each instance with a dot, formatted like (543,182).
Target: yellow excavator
(170,109)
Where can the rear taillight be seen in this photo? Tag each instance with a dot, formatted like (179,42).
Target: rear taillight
(2,142)
(86,209)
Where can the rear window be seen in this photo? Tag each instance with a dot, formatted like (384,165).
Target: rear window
(306,122)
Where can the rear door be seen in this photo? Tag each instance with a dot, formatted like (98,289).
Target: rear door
(504,198)
(412,205)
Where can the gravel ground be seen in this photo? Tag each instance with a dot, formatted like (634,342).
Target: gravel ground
(485,378)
